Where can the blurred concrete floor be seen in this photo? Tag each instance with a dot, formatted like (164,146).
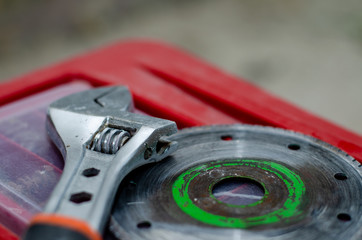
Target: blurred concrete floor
(308,52)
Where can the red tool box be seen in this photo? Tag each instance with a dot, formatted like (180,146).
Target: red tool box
(165,82)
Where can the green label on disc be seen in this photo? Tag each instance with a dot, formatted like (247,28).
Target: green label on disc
(290,208)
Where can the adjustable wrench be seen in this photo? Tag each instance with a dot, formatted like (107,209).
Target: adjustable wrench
(101,142)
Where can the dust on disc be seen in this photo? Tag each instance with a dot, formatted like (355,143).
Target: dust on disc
(242,182)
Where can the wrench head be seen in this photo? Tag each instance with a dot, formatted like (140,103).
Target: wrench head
(72,120)
(75,121)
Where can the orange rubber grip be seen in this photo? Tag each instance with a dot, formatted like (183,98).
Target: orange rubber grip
(46,222)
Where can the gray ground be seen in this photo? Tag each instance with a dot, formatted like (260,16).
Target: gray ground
(308,52)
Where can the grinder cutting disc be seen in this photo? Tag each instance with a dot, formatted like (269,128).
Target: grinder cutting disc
(243,182)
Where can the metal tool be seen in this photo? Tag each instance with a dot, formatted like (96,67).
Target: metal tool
(101,142)
(309,189)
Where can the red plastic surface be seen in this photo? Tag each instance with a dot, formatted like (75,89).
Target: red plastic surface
(169,83)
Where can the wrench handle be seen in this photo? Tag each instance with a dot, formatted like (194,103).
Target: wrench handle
(57,227)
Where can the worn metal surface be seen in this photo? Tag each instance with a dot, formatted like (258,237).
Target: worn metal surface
(311,189)
(90,178)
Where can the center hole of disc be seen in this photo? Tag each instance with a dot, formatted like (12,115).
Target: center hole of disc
(238,191)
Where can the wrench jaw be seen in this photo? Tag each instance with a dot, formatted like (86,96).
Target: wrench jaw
(62,130)
(91,177)
(72,120)
(105,101)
